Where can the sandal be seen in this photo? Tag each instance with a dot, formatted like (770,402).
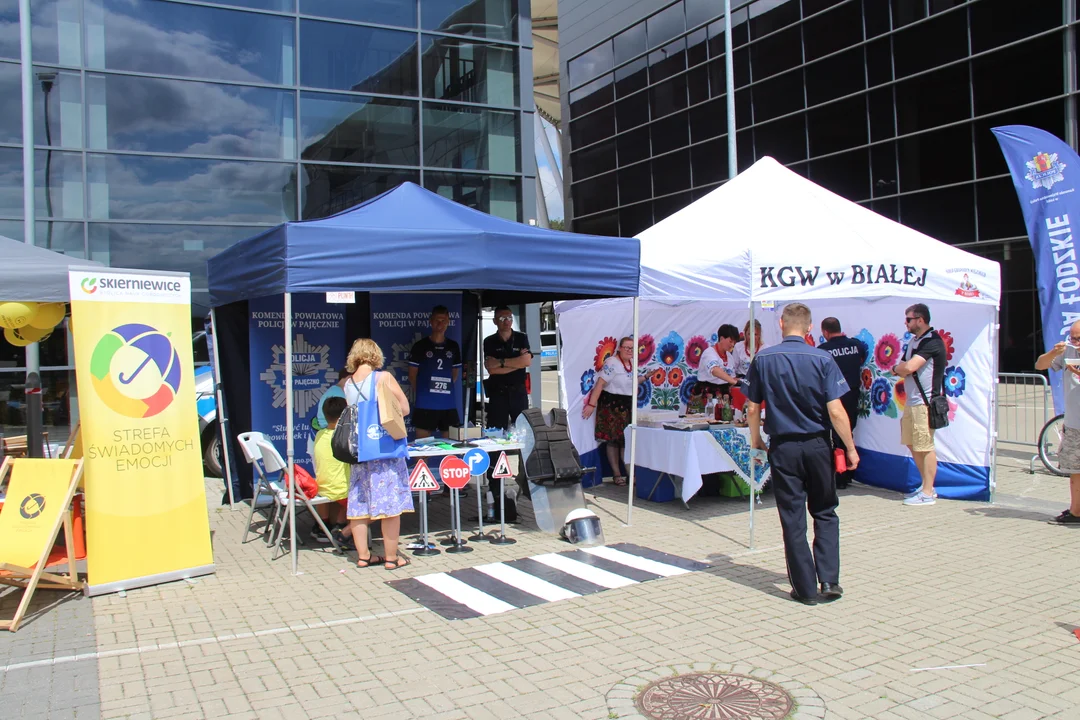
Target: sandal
(619,480)
(397,563)
(370,561)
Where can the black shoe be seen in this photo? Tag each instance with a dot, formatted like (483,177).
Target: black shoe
(345,543)
(317,535)
(799,598)
(831,591)
(1066,518)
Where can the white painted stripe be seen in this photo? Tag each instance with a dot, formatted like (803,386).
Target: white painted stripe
(947,667)
(209,640)
(467,595)
(527,583)
(635,561)
(594,575)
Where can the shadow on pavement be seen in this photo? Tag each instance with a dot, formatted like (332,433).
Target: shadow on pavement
(751,576)
(1009,513)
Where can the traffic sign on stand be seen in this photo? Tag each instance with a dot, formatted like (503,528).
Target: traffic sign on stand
(477,460)
(502,467)
(454,472)
(422,479)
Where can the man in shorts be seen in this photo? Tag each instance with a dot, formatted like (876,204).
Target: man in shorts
(434,372)
(925,359)
(1069,452)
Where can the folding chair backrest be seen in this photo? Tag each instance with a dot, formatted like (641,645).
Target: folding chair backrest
(271,458)
(38,494)
(249,445)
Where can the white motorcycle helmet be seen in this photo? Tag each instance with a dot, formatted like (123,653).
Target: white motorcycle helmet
(582,527)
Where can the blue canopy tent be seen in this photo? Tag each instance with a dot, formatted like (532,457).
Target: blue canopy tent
(410,239)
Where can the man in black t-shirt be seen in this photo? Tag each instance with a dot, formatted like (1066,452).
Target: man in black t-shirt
(506,358)
(850,355)
(434,372)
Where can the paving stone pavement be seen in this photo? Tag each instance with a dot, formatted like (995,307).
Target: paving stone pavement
(989,588)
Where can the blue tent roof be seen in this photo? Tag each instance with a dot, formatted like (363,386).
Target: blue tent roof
(411,239)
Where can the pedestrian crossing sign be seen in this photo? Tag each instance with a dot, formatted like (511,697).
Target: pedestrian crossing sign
(421,479)
(502,467)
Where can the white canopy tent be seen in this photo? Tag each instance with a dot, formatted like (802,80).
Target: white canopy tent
(771,236)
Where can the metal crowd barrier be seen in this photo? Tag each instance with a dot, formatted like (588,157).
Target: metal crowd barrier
(1024,406)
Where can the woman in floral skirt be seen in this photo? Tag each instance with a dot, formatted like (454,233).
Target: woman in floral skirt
(378,489)
(611,398)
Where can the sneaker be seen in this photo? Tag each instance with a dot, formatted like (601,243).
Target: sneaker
(916,492)
(317,535)
(1066,518)
(345,543)
(920,498)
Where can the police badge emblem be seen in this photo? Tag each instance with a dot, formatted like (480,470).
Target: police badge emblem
(1044,170)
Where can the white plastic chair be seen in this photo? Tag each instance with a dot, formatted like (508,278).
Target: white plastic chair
(249,445)
(272,462)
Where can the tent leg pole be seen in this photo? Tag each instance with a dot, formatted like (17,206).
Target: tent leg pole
(751,345)
(995,364)
(221,410)
(633,424)
(289,429)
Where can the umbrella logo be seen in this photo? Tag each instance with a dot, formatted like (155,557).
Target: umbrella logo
(135,370)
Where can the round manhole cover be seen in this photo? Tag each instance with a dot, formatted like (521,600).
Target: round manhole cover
(713,696)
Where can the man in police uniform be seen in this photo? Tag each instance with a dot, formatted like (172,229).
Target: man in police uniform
(850,355)
(506,358)
(801,387)
(434,370)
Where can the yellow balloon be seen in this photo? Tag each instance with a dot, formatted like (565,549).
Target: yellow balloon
(48,315)
(31,334)
(16,314)
(16,340)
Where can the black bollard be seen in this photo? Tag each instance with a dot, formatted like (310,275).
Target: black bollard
(32,392)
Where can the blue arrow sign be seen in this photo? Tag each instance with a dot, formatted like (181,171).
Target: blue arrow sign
(477,460)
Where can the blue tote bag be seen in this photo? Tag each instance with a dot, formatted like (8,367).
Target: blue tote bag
(372,441)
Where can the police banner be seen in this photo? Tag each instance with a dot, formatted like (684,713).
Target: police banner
(319,351)
(398,320)
(140,429)
(1044,170)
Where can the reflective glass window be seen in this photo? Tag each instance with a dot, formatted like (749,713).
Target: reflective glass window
(153,36)
(837,126)
(847,174)
(776,53)
(496,19)
(665,25)
(126,112)
(701,11)
(9,29)
(471,138)
(784,140)
(632,111)
(11,108)
(931,44)
(988,30)
(697,47)
(59,236)
(883,169)
(875,17)
(383,12)
(632,77)
(673,171)
(709,162)
(179,248)
(880,105)
(635,218)
(627,44)
(55,32)
(668,96)
(469,71)
(1003,79)
(996,207)
(667,61)
(767,16)
(592,96)
(133,187)
(329,189)
(778,96)
(920,157)
(665,206)
(697,84)
(57,108)
(670,133)
(926,101)
(878,62)
(836,76)
(594,195)
(58,182)
(889,207)
(605,224)
(594,160)
(1049,116)
(594,127)
(350,57)
(708,120)
(947,214)
(11,181)
(905,13)
(635,183)
(632,146)
(498,196)
(275,5)
(591,64)
(359,129)
(834,30)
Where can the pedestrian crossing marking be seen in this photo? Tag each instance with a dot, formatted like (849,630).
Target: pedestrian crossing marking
(494,588)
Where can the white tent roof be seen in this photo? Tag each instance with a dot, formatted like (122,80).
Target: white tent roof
(771,234)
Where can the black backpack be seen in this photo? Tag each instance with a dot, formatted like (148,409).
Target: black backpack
(343,441)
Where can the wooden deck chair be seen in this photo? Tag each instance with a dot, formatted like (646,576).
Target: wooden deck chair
(39,496)
(72,444)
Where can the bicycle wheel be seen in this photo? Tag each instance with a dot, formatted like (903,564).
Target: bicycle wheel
(1050,444)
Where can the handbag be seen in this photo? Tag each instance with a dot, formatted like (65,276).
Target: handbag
(937,407)
(373,442)
(343,441)
(390,416)
(304,482)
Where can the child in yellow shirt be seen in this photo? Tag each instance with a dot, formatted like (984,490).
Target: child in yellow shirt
(332,476)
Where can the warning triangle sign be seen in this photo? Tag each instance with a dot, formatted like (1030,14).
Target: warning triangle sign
(502,467)
(421,479)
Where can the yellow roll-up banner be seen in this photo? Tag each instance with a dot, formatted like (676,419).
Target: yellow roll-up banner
(146,519)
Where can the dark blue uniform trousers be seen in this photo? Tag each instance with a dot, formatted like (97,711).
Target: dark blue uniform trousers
(802,477)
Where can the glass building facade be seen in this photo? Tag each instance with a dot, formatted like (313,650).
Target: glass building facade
(886,102)
(167,130)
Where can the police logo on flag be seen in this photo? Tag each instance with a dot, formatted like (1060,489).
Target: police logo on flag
(1044,170)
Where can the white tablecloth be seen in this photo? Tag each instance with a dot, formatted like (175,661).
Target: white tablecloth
(688,455)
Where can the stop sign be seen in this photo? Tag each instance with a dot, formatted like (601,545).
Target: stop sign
(454,472)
